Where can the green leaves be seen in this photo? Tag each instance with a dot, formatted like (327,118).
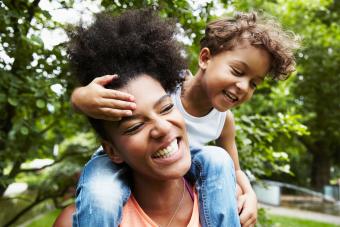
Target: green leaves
(270,127)
(13,101)
(40,103)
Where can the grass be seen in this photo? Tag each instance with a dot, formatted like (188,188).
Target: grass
(283,221)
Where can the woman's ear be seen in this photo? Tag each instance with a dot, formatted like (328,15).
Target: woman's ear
(204,57)
(112,152)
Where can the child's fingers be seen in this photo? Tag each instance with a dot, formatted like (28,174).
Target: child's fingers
(115,114)
(244,217)
(247,218)
(114,94)
(117,104)
(103,80)
(251,221)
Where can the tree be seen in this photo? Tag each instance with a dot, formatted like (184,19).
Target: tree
(34,91)
(37,121)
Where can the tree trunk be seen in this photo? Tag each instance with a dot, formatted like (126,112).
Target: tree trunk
(321,169)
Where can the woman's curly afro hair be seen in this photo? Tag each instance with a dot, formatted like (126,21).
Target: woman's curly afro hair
(133,43)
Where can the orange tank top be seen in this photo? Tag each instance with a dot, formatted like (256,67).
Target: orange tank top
(133,215)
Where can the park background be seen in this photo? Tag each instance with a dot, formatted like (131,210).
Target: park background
(289,132)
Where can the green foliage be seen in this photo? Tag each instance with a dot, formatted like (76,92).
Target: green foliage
(35,85)
(263,219)
(46,220)
(36,115)
(260,141)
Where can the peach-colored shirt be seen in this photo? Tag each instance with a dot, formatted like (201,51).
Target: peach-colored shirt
(133,215)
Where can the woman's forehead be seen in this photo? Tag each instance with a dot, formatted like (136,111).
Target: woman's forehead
(144,87)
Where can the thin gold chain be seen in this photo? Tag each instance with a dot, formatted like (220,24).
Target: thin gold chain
(178,205)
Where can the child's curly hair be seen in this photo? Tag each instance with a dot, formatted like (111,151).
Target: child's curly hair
(225,34)
(133,43)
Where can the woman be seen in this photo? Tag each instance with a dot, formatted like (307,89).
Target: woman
(150,149)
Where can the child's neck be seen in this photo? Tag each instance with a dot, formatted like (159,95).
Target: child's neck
(194,98)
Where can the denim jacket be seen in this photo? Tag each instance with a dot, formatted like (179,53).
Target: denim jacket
(103,189)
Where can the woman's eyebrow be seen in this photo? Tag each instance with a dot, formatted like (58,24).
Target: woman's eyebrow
(128,118)
(161,99)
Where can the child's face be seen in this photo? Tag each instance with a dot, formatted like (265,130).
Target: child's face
(153,142)
(230,77)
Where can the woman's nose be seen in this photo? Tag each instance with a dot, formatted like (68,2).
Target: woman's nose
(161,128)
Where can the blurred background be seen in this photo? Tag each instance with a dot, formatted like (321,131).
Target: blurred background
(288,135)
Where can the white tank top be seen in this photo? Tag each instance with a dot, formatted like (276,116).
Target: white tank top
(201,130)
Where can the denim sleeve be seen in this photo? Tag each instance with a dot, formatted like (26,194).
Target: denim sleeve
(101,193)
(213,171)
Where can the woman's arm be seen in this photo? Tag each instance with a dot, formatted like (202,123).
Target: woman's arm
(65,217)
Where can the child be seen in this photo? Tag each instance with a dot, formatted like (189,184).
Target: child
(235,56)
(126,46)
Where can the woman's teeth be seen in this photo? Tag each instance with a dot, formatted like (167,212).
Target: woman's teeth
(168,151)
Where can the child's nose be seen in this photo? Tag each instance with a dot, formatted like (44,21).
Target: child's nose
(243,85)
(161,128)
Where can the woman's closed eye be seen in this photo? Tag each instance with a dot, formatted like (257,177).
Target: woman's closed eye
(134,128)
(167,108)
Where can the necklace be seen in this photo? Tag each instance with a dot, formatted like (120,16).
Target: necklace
(178,205)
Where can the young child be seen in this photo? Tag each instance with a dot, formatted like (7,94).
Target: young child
(236,55)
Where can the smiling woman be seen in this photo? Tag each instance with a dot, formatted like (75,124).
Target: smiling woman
(150,146)
(153,141)
(154,144)
(139,179)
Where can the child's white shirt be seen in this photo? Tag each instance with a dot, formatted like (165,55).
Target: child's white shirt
(201,130)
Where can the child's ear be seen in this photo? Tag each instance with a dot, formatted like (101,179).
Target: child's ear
(204,57)
(112,152)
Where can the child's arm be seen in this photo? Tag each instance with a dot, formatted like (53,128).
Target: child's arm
(247,202)
(96,101)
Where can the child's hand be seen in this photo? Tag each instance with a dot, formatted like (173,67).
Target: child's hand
(247,208)
(98,102)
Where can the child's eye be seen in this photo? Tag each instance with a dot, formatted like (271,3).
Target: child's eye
(167,108)
(253,85)
(133,129)
(237,72)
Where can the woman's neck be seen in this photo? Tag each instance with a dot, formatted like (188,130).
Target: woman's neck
(194,98)
(163,200)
